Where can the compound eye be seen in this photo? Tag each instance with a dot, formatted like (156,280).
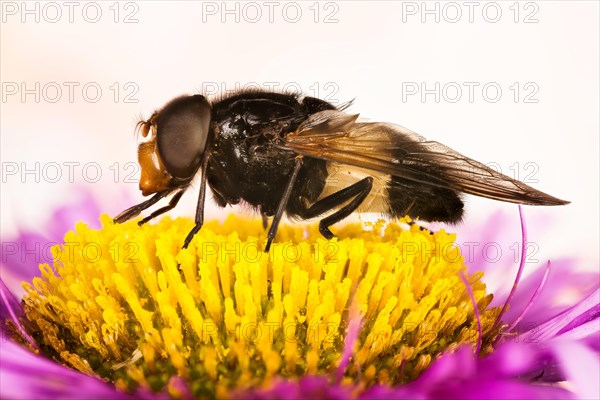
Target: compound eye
(182,132)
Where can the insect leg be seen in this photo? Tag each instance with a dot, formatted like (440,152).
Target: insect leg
(357,193)
(138,208)
(200,207)
(421,228)
(265,221)
(162,210)
(282,203)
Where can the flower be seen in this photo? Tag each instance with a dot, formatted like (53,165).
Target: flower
(360,316)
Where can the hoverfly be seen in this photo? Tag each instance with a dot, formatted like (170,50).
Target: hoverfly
(281,153)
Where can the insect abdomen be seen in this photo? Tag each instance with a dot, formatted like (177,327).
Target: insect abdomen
(341,176)
(426,202)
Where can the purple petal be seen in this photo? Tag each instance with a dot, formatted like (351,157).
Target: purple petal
(461,376)
(509,360)
(85,209)
(458,365)
(534,298)
(578,325)
(499,389)
(501,230)
(498,227)
(10,308)
(476,389)
(180,388)
(558,325)
(380,392)
(27,376)
(354,327)
(308,387)
(475,309)
(563,283)
(21,257)
(521,266)
(588,316)
(586,333)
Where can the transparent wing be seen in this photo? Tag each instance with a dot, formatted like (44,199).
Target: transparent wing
(335,136)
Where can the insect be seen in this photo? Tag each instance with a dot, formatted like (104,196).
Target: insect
(281,153)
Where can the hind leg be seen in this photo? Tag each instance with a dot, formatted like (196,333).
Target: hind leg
(354,194)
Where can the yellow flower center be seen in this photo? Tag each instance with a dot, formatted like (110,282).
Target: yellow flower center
(126,303)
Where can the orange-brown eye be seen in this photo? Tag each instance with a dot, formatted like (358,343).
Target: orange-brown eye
(182,132)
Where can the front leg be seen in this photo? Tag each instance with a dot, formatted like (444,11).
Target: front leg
(138,208)
(172,204)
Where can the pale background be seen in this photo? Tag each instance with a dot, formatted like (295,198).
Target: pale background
(369,51)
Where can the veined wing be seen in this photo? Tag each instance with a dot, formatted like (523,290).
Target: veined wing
(336,136)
